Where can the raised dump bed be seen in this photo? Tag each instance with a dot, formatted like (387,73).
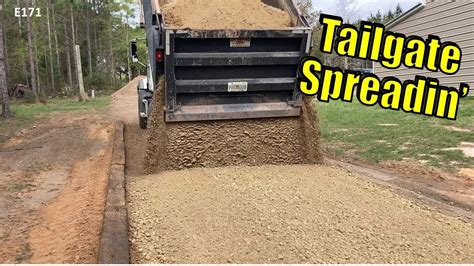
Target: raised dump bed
(245,69)
(227,92)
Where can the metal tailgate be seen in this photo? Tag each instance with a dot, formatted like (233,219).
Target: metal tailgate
(233,74)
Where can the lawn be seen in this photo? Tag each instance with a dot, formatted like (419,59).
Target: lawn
(26,114)
(374,134)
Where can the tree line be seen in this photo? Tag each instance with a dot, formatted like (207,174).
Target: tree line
(39,37)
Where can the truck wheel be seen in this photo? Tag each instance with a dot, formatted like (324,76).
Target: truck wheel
(143,121)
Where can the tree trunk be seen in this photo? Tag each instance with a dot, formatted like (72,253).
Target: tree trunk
(34,88)
(20,31)
(111,51)
(73,29)
(129,70)
(55,33)
(53,89)
(94,20)
(35,59)
(5,52)
(19,18)
(3,74)
(73,34)
(68,56)
(88,38)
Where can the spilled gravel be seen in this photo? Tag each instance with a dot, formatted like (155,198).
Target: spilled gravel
(285,214)
(252,142)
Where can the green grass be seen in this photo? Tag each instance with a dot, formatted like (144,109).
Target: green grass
(25,114)
(355,131)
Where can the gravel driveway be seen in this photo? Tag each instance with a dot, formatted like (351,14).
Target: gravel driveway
(285,214)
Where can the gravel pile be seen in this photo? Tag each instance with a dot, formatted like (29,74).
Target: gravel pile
(229,14)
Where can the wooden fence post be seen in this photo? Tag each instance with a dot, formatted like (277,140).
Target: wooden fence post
(82,93)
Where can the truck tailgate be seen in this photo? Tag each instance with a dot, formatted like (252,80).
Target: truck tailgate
(233,74)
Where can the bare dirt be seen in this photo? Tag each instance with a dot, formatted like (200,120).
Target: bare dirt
(453,189)
(53,180)
(286,214)
(466,147)
(230,14)
(235,142)
(124,108)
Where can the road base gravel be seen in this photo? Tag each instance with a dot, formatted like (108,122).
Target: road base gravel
(243,142)
(233,14)
(285,214)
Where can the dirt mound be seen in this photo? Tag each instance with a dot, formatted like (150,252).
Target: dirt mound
(232,142)
(285,214)
(230,14)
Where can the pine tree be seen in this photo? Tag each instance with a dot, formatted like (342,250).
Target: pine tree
(398,10)
(31,56)
(388,17)
(306,7)
(3,71)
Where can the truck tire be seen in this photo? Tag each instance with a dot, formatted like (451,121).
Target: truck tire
(143,121)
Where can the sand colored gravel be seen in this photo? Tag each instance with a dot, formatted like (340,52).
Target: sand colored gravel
(224,14)
(251,142)
(285,214)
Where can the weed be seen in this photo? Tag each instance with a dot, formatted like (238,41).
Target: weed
(19,187)
(25,253)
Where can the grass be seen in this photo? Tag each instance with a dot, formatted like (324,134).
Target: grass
(376,135)
(26,114)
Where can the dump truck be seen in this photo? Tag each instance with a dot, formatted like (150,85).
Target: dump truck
(223,74)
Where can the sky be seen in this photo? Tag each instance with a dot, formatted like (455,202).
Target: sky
(365,7)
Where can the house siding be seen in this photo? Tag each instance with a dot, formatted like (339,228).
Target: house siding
(451,20)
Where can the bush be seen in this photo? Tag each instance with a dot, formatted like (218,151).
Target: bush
(98,81)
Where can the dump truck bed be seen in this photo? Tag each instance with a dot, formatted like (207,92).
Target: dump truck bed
(228,96)
(219,74)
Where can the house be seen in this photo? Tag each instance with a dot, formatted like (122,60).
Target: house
(451,20)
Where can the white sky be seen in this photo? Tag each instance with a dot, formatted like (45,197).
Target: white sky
(365,7)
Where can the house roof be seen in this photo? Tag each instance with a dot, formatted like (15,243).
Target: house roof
(405,15)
